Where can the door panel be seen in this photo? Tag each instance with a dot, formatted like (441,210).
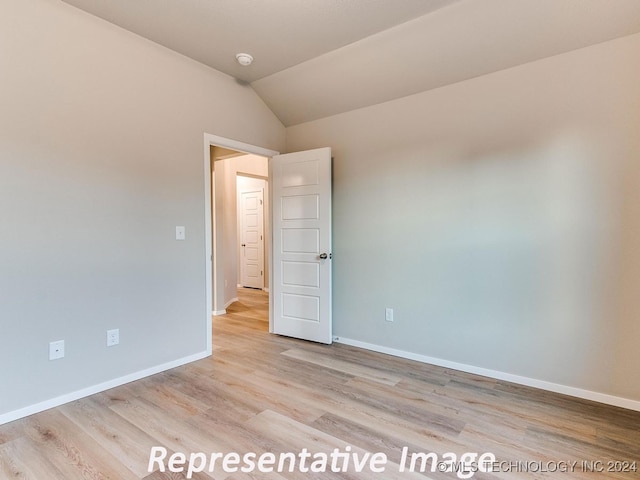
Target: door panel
(305,274)
(297,174)
(300,207)
(301,307)
(301,233)
(300,240)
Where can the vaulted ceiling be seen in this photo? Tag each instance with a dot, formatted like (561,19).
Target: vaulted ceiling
(316,58)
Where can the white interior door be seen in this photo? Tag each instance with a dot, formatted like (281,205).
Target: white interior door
(252,243)
(302,245)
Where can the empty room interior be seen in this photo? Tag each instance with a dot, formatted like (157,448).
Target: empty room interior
(320,239)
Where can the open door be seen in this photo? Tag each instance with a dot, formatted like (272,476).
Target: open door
(301,287)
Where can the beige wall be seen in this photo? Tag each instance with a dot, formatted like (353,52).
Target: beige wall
(499,217)
(101,156)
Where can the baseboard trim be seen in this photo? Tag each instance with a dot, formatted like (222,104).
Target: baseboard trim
(266,289)
(100,387)
(215,313)
(529,382)
(234,299)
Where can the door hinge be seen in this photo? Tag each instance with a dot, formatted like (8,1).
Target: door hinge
(260,272)
(260,202)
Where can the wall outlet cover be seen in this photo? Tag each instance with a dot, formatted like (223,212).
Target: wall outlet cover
(113,337)
(56,350)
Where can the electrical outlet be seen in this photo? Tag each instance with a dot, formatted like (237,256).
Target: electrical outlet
(56,350)
(388,314)
(113,337)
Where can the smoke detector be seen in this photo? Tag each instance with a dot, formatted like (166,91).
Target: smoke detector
(244,59)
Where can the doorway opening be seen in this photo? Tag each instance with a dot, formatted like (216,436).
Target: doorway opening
(300,208)
(240,227)
(224,159)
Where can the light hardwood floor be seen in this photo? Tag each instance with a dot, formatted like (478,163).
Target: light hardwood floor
(263,393)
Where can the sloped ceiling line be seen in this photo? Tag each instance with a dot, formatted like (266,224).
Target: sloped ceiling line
(317,58)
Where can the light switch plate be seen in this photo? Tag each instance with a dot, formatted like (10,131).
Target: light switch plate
(56,350)
(113,337)
(180,233)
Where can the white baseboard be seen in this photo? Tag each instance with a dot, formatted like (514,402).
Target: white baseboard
(215,313)
(101,387)
(234,299)
(529,382)
(266,289)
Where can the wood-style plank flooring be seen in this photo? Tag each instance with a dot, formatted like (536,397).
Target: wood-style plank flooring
(263,393)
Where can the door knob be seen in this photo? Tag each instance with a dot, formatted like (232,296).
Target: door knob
(243,245)
(324,256)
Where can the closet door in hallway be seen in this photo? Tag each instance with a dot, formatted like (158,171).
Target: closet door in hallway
(252,239)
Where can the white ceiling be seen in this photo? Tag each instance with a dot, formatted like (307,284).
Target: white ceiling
(315,58)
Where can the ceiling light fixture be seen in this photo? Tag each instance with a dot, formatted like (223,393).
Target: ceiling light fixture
(244,59)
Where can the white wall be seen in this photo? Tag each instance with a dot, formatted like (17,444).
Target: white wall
(101,156)
(500,217)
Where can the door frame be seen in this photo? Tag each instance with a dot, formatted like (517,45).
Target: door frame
(212,250)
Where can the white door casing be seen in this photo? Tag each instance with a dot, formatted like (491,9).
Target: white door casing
(301,286)
(251,243)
